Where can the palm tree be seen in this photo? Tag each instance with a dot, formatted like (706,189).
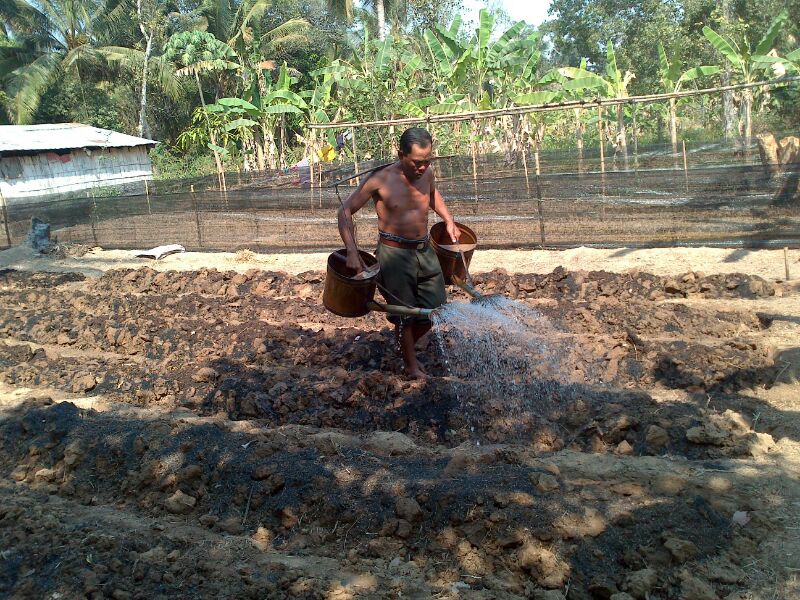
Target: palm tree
(49,40)
(747,62)
(344,8)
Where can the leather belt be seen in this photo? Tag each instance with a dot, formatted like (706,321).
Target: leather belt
(404,245)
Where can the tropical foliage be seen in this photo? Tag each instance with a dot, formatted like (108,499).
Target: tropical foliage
(237,80)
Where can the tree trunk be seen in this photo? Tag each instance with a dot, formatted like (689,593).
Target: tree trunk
(143,129)
(211,136)
(380,12)
(747,112)
(148,49)
(282,154)
(580,130)
(258,139)
(728,110)
(673,126)
(622,136)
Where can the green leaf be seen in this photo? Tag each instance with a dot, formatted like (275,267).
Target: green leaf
(412,64)
(383,55)
(283,78)
(794,55)
(412,110)
(693,74)
(663,62)
(535,98)
(240,123)
(288,95)
(612,69)
(237,102)
(726,47)
(281,109)
(552,76)
(320,116)
(765,45)
(446,108)
(219,149)
(499,47)
(455,26)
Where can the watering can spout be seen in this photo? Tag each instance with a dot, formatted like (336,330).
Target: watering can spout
(469,288)
(402,311)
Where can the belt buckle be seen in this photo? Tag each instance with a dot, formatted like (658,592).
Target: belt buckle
(421,246)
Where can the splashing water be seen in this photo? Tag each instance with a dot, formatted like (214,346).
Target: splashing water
(502,358)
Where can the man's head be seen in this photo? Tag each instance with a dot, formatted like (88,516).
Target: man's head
(416,148)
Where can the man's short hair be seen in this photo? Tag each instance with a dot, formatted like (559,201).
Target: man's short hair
(415,135)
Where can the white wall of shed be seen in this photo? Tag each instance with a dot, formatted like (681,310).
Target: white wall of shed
(45,176)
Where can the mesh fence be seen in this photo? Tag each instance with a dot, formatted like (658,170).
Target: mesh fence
(714,194)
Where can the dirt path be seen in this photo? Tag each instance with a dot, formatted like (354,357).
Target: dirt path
(768,264)
(201,428)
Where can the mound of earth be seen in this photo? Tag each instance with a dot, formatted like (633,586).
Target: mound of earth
(219,434)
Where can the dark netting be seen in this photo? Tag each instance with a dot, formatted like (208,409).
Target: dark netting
(724,196)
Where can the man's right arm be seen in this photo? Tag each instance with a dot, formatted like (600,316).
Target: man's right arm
(349,207)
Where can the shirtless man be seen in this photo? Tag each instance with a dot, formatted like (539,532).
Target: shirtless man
(410,271)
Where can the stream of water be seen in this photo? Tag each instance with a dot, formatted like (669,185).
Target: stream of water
(502,358)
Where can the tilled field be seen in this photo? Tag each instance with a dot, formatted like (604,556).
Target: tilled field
(216,434)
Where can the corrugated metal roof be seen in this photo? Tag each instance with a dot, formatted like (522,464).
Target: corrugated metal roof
(63,136)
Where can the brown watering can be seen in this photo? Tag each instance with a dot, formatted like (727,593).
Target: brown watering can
(348,294)
(454,266)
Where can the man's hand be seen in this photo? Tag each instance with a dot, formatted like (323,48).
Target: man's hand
(354,262)
(453,231)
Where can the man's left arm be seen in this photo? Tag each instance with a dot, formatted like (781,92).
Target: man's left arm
(440,208)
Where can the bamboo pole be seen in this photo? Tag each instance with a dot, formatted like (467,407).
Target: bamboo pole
(473,142)
(523,148)
(5,218)
(319,172)
(147,195)
(602,149)
(579,131)
(521,110)
(685,167)
(539,202)
(355,156)
(785,261)
(196,218)
(635,145)
(310,167)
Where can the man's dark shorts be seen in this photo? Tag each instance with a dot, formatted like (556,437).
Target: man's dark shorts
(410,278)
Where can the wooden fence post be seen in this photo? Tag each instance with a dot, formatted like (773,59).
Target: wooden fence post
(5,218)
(473,142)
(537,141)
(685,168)
(196,218)
(355,156)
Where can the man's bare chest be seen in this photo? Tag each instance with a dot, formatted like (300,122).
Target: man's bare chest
(400,196)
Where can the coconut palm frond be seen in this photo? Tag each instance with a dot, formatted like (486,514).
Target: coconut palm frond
(126,58)
(164,72)
(290,27)
(26,86)
(116,20)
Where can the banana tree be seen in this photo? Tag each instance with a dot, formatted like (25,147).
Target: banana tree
(577,88)
(485,68)
(196,52)
(747,61)
(274,107)
(615,85)
(672,81)
(781,65)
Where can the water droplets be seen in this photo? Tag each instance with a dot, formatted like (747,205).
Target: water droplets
(501,356)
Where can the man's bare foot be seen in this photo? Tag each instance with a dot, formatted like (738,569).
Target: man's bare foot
(417,374)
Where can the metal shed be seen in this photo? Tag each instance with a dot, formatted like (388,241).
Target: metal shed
(62,160)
